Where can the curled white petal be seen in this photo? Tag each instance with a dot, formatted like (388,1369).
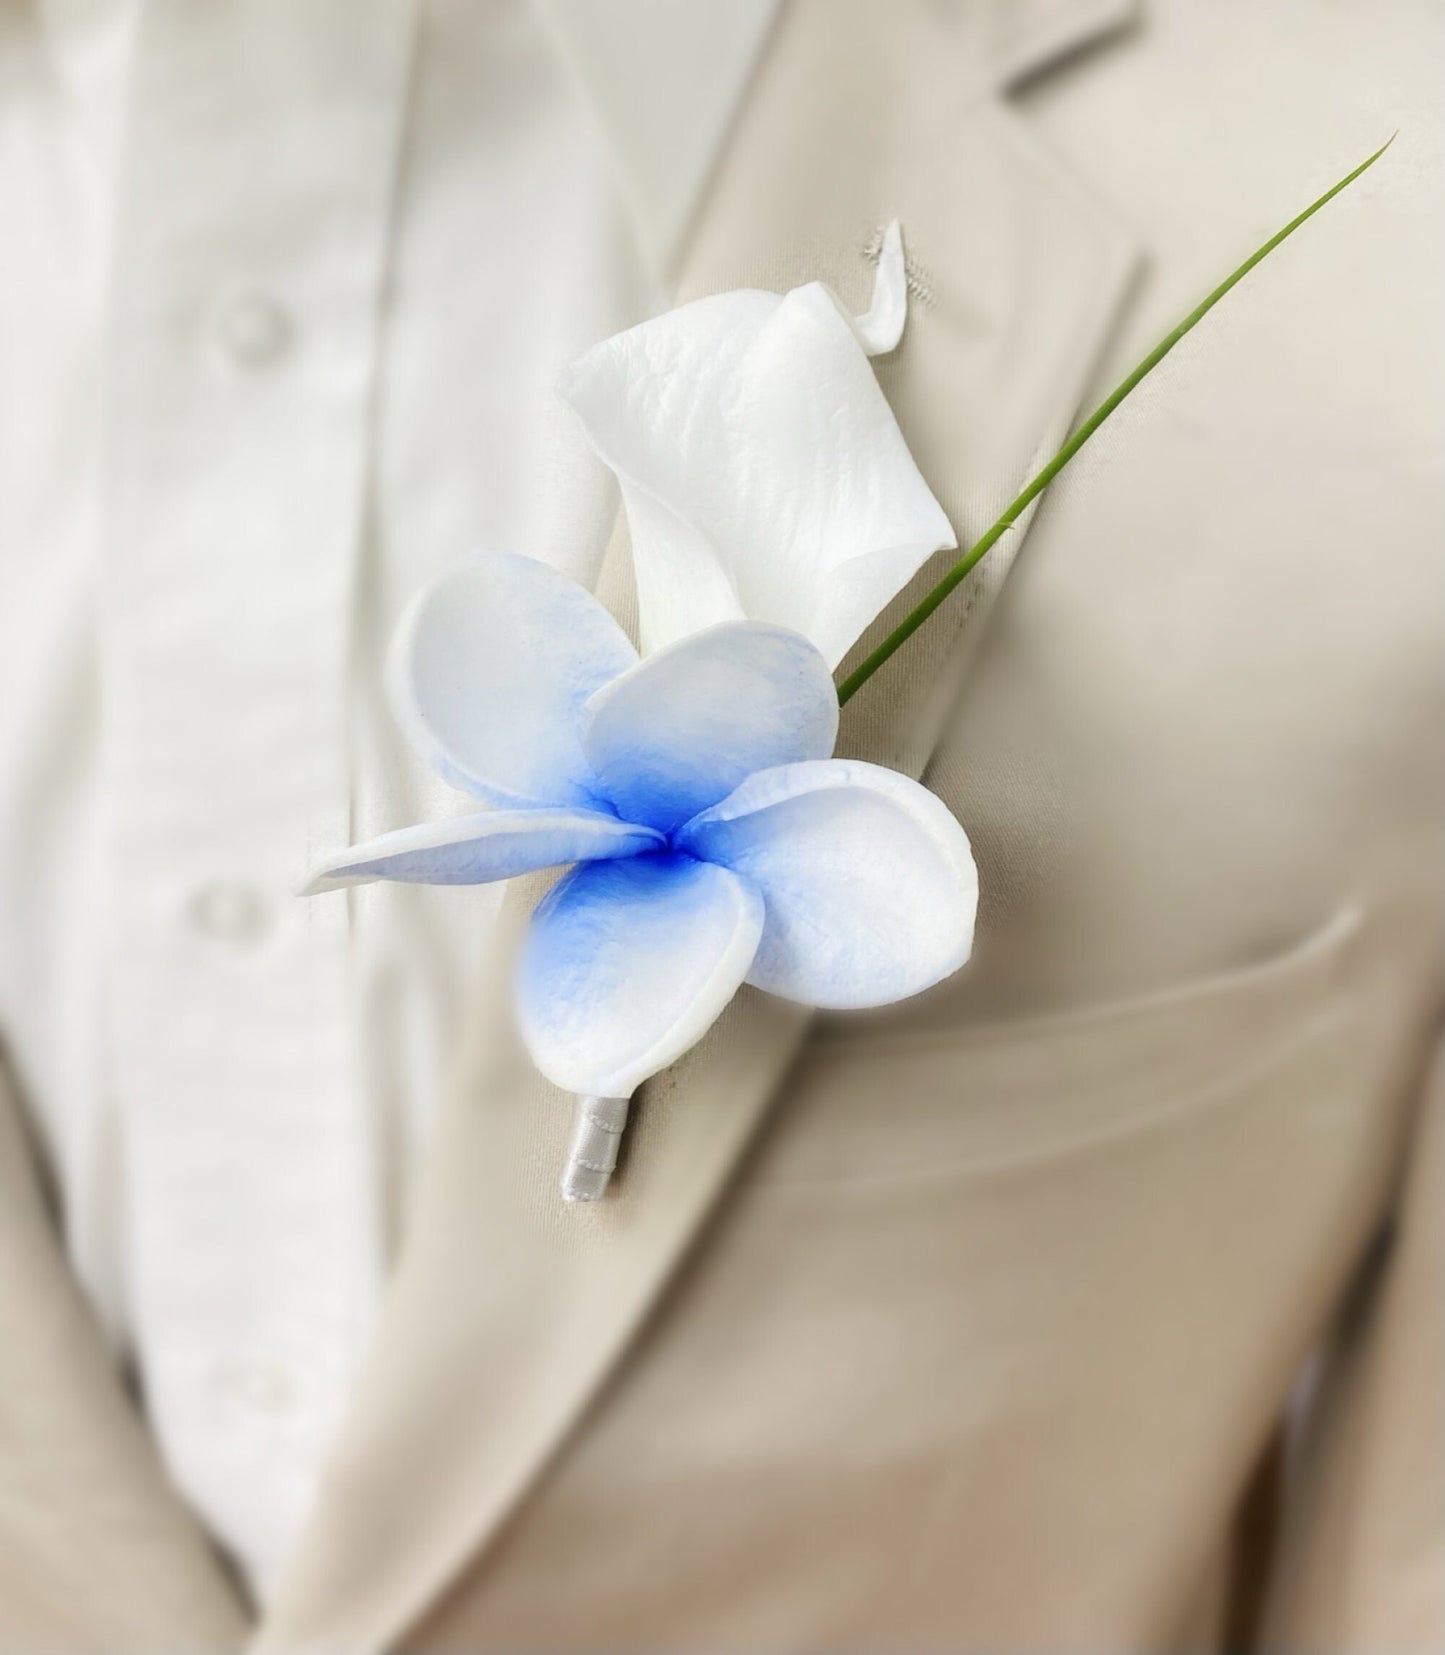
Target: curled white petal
(628,964)
(880,327)
(868,881)
(763,472)
(477,850)
(684,727)
(488,673)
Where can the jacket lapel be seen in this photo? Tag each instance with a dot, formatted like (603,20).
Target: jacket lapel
(97,1551)
(509,1311)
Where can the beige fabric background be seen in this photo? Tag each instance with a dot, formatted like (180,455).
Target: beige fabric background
(997,1301)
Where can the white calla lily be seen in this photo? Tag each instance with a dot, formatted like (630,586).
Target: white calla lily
(763,473)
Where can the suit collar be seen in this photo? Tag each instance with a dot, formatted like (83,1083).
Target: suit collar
(1026,37)
(664,81)
(509,1313)
(96,1546)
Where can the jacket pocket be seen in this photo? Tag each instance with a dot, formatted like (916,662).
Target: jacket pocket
(995,1321)
(866,1109)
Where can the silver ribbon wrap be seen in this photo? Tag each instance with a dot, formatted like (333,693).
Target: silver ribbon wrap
(597,1129)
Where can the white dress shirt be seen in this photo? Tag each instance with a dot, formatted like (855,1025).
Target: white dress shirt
(261,374)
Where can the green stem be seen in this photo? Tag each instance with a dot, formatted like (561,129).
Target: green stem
(1041,480)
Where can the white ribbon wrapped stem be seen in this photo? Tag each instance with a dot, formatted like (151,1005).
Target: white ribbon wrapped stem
(597,1129)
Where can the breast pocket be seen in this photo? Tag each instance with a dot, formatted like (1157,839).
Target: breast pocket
(1035,1292)
(864,1110)
(992,1325)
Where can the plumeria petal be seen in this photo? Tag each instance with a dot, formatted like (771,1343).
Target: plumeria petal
(761,467)
(488,674)
(684,727)
(627,964)
(475,850)
(868,880)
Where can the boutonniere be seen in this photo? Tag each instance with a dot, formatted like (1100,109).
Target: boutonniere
(689,787)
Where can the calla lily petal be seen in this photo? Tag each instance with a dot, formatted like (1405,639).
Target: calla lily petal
(880,327)
(680,730)
(627,965)
(761,467)
(476,850)
(488,674)
(869,883)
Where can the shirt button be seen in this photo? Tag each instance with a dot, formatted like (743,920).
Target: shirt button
(231,913)
(251,328)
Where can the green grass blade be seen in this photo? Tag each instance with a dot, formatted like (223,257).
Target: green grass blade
(1041,480)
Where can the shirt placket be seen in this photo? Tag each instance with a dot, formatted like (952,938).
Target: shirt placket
(251,263)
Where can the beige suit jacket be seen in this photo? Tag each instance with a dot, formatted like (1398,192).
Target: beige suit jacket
(1093,1301)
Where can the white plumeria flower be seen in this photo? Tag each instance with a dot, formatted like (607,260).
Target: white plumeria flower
(774,509)
(764,475)
(716,840)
